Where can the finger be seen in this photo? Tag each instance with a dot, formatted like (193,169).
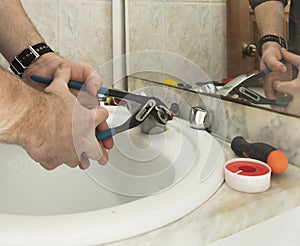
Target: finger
(87,100)
(46,166)
(88,143)
(268,88)
(284,86)
(271,59)
(93,83)
(291,58)
(85,163)
(101,114)
(61,77)
(104,158)
(73,163)
(100,121)
(107,143)
(50,165)
(276,65)
(87,74)
(101,125)
(93,149)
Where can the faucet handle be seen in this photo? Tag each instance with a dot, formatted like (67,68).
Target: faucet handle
(200,118)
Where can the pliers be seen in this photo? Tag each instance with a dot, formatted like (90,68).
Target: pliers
(148,106)
(239,87)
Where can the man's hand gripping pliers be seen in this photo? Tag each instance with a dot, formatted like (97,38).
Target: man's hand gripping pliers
(148,106)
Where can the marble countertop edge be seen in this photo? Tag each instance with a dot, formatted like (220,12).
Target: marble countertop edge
(226,213)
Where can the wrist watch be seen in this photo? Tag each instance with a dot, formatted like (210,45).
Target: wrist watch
(278,39)
(28,56)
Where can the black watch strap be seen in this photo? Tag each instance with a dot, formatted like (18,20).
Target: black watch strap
(273,38)
(28,56)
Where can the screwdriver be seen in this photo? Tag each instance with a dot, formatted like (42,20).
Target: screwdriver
(275,158)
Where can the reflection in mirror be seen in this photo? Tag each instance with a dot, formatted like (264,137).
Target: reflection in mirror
(247,32)
(198,31)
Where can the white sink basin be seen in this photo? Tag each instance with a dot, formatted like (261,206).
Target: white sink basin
(150,181)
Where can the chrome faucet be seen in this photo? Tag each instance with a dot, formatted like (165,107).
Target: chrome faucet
(201,118)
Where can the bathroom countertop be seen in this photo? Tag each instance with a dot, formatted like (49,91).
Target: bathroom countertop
(225,213)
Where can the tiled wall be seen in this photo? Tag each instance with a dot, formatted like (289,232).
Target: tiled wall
(80,29)
(195,29)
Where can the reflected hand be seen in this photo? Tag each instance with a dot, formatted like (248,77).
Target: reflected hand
(271,59)
(291,87)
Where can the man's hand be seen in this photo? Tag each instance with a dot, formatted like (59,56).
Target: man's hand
(47,130)
(272,59)
(82,72)
(288,86)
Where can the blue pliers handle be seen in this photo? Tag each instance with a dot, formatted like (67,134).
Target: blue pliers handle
(268,70)
(71,84)
(106,134)
(79,86)
(147,105)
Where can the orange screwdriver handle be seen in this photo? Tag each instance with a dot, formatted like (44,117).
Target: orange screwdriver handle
(275,158)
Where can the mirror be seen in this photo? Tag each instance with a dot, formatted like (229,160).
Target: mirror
(219,36)
(242,56)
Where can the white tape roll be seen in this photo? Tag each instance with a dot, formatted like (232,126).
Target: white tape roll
(247,175)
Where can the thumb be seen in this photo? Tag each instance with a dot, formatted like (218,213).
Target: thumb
(61,77)
(283,86)
(290,57)
(101,115)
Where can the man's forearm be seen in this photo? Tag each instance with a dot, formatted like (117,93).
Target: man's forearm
(270,18)
(16,103)
(17,31)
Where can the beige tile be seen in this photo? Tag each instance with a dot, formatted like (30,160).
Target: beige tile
(189,32)
(194,31)
(145,1)
(146,29)
(3,63)
(45,20)
(145,26)
(44,15)
(85,30)
(196,1)
(218,41)
(179,1)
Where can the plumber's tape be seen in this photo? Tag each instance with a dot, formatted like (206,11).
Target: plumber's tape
(247,175)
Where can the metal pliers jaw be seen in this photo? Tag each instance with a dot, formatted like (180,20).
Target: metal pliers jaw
(238,88)
(148,106)
(244,92)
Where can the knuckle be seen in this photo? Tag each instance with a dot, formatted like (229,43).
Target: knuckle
(103,112)
(46,166)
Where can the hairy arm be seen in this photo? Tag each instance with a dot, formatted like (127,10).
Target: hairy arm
(270,20)
(16,100)
(17,31)
(42,122)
